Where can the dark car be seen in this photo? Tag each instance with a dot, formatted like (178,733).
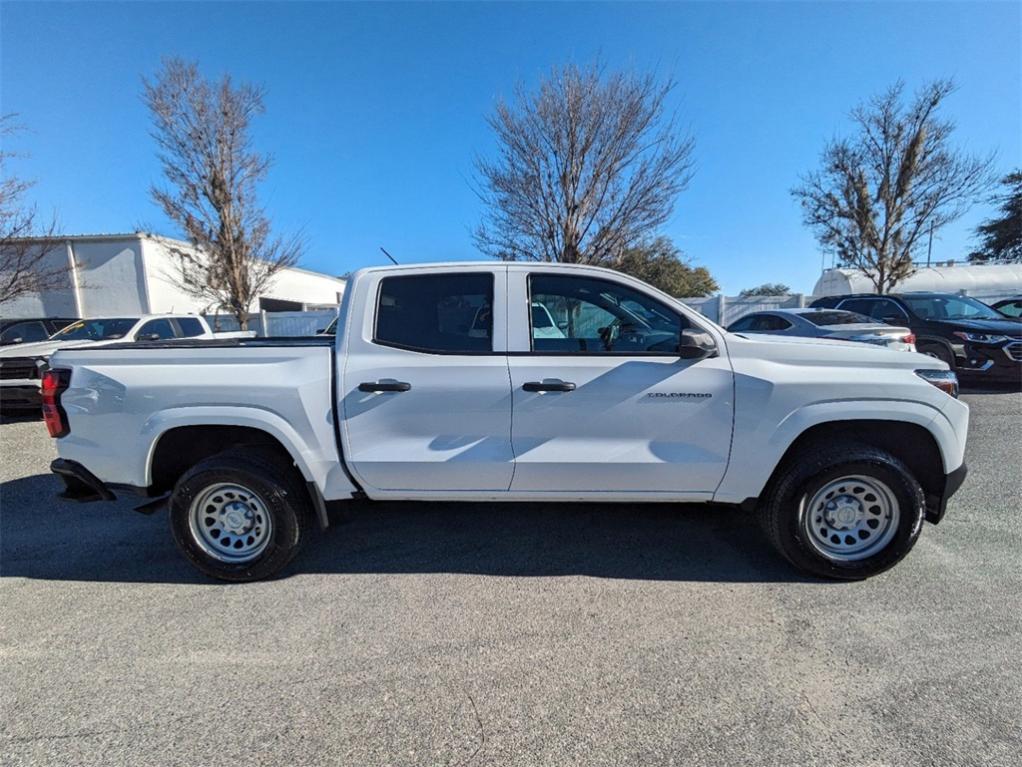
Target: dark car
(972,338)
(1009,307)
(26,331)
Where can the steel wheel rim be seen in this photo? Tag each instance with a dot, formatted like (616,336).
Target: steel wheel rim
(851,518)
(230,522)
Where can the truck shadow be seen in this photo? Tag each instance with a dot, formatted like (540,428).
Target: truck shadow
(43,537)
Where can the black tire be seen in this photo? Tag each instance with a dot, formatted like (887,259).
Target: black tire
(278,488)
(940,352)
(783,515)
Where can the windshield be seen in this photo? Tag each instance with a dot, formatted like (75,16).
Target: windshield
(95,330)
(837,318)
(950,308)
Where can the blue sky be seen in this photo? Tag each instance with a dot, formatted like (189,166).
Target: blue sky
(375,112)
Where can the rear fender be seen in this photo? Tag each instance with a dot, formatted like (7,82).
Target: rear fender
(318,464)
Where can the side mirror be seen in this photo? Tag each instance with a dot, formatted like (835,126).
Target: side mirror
(696,345)
(892,319)
(17,340)
(149,337)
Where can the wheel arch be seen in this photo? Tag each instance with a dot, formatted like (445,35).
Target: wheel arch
(911,443)
(178,448)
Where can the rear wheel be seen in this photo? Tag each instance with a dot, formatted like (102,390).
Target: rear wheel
(844,511)
(240,515)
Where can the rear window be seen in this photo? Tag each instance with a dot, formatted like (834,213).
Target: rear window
(190,327)
(437,313)
(836,318)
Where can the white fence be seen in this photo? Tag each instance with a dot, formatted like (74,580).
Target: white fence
(277,323)
(726,309)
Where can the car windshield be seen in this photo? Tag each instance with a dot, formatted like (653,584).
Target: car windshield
(96,330)
(836,318)
(950,308)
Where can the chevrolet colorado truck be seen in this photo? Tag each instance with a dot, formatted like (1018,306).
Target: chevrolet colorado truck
(512,382)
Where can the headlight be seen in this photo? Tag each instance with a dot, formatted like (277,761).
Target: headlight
(945,380)
(980,338)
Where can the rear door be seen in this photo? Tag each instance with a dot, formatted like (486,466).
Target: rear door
(425,392)
(603,403)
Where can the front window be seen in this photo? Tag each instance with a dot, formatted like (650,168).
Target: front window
(96,330)
(23,333)
(950,308)
(572,314)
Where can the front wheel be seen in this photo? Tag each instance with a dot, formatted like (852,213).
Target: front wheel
(240,515)
(849,511)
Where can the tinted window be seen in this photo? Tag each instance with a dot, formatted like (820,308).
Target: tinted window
(190,327)
(885,309)
(835,318)
(950,308)
(584,315)
(858,305)
(96,330)
(442,313)
(745,323)
(26,331)
(1012,309)
(161,328)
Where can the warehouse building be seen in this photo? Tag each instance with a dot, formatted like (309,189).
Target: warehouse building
(130,274)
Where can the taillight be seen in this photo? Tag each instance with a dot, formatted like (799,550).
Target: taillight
(55,381)
(909,339)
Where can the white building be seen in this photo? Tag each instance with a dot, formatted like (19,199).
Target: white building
(987,282)
(134,274)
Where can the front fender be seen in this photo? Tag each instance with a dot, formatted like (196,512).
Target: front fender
(755,455)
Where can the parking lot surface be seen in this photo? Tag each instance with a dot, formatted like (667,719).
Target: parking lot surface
(510,634)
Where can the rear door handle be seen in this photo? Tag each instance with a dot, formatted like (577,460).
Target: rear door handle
(548,386)
(380,386)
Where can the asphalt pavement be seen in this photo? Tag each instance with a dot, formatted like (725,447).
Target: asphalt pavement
(510,635)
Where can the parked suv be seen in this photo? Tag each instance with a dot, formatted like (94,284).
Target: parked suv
(968,335)
(27,331)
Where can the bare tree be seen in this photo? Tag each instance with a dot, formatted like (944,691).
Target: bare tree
(587,166)
(879,194)
(202,130)
(25,240)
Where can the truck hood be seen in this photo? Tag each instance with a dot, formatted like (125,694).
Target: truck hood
(995,327)
(43,348)
(822,352)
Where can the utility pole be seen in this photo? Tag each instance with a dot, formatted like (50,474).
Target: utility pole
(929,247)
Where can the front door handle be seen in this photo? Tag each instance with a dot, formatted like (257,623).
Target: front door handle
(380,386)
(548,386)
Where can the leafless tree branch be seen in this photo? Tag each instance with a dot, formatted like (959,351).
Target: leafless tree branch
(878,194)
(201,129)
(587,166)
(25,240)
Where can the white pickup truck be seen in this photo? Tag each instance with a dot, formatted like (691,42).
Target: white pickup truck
(439,386)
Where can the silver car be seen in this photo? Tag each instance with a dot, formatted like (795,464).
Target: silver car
(826,323)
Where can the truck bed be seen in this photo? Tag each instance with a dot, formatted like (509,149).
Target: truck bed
(142,390)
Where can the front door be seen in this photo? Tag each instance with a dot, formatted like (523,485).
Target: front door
(603,404)
(425,391)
